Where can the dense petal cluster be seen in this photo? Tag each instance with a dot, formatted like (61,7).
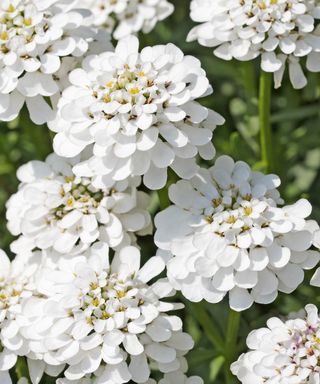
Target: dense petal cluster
(104,319)
(280,31)
(125,17)
(38,38)
(54,208)
(177,377)
(17,285)
(227,233)
(283,352)
(139,111)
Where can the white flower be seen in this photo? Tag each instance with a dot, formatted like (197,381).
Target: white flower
(227,234)
(316,242)
(177,377)
(279,31)
(126,17)
(17,285)
(106,320)
(54,208)
(139,112)
(36,38)
(283,352)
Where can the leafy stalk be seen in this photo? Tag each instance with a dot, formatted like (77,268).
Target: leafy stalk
(267,154)
(231,345)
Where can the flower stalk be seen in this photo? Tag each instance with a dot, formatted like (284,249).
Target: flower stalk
(231,343)
(267,155)
(164,200)
(250,86)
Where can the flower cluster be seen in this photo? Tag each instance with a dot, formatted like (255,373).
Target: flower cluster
(103,319)
(283,352)
(54,208)
(77,303)
(280,31)
(139,111)
(226,233)
(125,17)
(17,285)
(39,42)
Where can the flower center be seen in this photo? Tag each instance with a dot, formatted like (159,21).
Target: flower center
(18,26)
(127,90)
(10,292)
(108,296)
(81,196)
(304,347)
(272,11)
(234,211)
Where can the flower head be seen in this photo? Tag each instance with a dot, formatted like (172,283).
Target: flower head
(227,233)
(125,17)
(284,351)
(17,285)
(36,38)
(107,320)
(54,208)
(139,112)
(177,377)
(279,31)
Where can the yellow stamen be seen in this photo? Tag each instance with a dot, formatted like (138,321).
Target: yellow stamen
(4,36)
(247,211)
(27,22)
(95,302)
(106,99)
(70,202)
(262,5)
(231,220)
(94,286)
(134,91)
(216,202)
(209,219)
(11,8)
(121,294)
(105,315)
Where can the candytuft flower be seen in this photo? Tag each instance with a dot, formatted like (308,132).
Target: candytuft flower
(17,286)
(139,111)
(37,39)
(107,320)
(125,17)
(227,233)
(284,351)
(54,208)
(280,31)
(177,377)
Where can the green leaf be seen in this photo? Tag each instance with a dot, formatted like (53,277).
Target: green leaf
(215,367)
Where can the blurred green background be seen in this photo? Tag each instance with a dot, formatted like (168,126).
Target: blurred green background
(295,118)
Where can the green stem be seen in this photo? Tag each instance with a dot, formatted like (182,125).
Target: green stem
(250,86)
(267,155)
(163,196)
(231,345)
(207,323)
(21,368)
